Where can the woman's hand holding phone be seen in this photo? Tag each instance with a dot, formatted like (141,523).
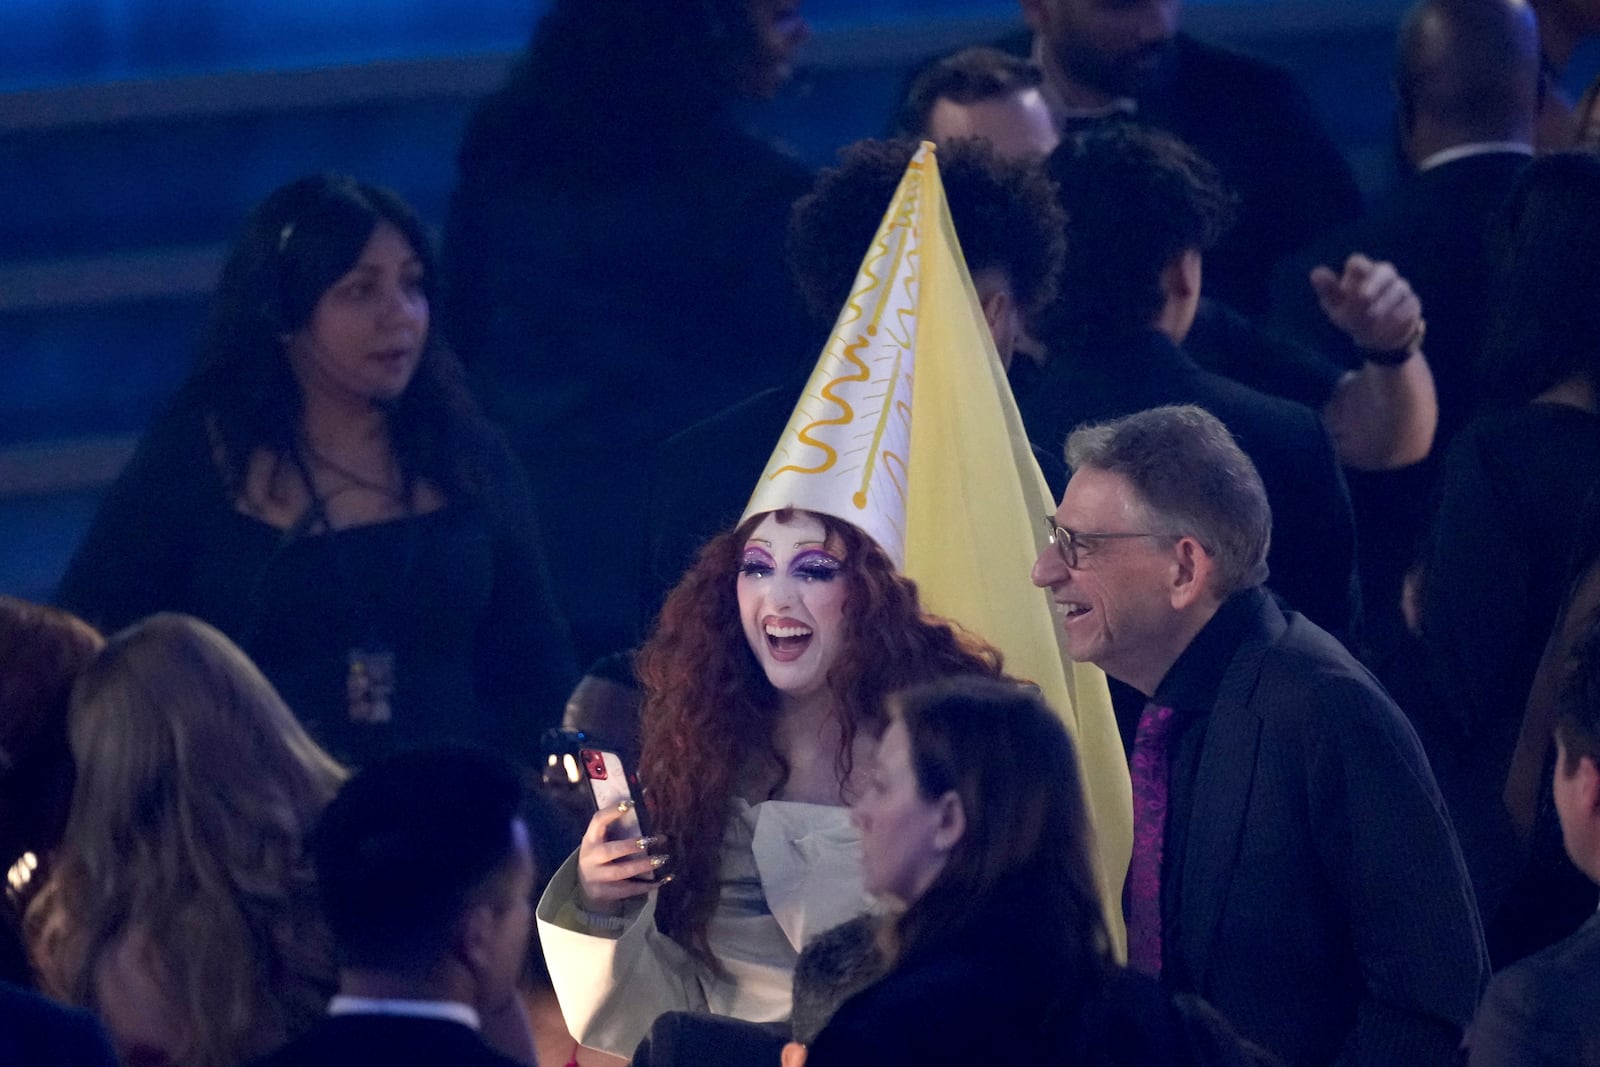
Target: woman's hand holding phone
(611,871)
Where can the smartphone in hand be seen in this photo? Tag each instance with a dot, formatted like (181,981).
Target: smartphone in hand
(611,784)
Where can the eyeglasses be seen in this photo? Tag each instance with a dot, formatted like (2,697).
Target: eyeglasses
(1070,543)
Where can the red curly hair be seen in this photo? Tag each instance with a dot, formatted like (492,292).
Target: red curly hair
(706,697)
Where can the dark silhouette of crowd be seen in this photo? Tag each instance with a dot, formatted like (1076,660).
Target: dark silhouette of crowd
(297,767)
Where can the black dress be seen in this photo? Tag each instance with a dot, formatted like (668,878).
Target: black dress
(459,597)
(1521,490)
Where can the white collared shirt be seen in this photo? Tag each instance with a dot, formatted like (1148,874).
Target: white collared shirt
(1475,148)
(451,1010)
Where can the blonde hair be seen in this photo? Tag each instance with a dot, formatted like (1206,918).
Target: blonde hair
(195,792)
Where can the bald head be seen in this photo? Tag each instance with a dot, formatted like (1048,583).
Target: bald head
(1468,70)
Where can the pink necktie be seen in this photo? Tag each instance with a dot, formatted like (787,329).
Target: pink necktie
(1142,895)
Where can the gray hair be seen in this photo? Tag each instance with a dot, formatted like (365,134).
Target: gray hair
(1193,478)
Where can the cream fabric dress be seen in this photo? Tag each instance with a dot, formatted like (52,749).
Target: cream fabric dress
(789,872)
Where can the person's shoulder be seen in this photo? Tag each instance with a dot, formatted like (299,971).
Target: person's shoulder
(35,1025)
(1262,417)
(1555,976)
(1512,442)
(1546,1001)
(1205,63)
(1515,423)
(393,1040)
(1305,650)
(923,1014)
(1296,656)
(940,978)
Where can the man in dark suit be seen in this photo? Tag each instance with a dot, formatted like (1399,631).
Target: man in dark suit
(1292,860)
(36,1031)
(426,877)
(1545,1010)
(1467,80)
(1249,118)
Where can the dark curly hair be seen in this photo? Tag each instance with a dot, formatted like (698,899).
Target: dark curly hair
(707,698)
(296,244)
(1005,214)
(1135,198)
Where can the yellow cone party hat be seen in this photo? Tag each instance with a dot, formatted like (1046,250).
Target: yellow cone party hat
(907,429)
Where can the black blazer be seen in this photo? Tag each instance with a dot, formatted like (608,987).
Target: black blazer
(387,1041)
(1093,378)
(1321,904)
(1542,1012)
(35,1031)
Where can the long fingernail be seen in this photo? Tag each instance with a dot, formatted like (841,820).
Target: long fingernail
(626,805)
(641,843)
(664,879)
(658,861)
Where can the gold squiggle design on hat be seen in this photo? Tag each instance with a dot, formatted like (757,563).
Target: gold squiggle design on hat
(853,311)
(907,315)
(846,414)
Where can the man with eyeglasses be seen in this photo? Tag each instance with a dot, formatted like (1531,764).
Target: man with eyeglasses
(1292,860)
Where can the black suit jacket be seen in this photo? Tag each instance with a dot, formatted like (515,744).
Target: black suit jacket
(1095,378)
(35,1031)
(1318,899)
(1434,228)
(387,1041)
(1544,1011)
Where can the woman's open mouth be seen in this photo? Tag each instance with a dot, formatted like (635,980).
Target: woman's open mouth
(787,640)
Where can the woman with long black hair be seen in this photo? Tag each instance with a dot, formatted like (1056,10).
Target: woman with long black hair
(324,490)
